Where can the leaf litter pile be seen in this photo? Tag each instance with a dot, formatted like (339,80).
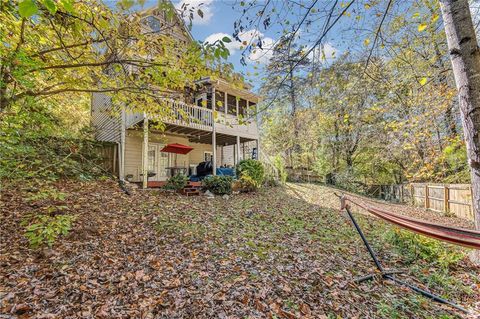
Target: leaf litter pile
(284,252)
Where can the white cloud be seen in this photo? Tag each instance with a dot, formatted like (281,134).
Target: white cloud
(264,54)
(206,6)
(325,52)
(248,37)
(232,46)
(328,51)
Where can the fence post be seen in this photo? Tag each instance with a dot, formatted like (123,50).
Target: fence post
(471,202)
(446,199)
(427,199)
(412,194)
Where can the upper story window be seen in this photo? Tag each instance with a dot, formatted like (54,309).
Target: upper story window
(152,23)
(242,107)
(219,101)
(201,100)
(231,104)
(252,108)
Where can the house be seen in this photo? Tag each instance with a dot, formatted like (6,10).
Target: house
(223,140)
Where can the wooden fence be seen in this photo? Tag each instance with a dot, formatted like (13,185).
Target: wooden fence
(455,199)
(303,175)
(394,193)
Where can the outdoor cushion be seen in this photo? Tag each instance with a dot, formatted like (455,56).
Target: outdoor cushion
(226,171)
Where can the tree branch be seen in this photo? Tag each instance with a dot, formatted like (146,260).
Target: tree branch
(377,33)
(96,64)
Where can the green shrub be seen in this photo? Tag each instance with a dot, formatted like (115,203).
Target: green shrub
(253,169)
(45,193)
(247,184)
(46,229)
(413,246)
(218,184)
(176,182)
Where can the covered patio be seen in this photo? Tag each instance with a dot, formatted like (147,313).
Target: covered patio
(180,150)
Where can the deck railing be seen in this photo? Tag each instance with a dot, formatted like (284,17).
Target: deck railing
(189,115)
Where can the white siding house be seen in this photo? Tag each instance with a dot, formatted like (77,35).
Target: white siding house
(224,140)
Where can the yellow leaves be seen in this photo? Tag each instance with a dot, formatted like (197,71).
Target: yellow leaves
(367,6)
(422,26)
(366,42)
(423,81)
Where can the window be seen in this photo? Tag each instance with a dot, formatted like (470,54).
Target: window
(201,100)
(242,107)
(152,159)
(219,101)
(152,23)
(209,100)
(252,108)
(207,156)
(231,104)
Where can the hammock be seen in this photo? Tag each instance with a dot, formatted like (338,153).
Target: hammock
(454,235)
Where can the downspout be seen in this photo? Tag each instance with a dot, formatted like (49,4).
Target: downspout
(121,147)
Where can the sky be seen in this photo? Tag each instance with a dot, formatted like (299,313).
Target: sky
(219,17)
(217,22)
(353,33)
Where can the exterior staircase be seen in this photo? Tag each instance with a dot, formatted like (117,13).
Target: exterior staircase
(192,189)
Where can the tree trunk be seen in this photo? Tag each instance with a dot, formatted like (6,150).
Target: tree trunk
(293,98)
(465,57)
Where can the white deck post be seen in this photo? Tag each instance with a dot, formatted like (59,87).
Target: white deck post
(145,152)
(121,151)
(214,137)
(237,151)
(258,141)
(225,106)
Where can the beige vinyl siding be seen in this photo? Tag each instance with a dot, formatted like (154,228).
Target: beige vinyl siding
(228,155)
(197,154)
(105,118)
(133,151)
(133,156)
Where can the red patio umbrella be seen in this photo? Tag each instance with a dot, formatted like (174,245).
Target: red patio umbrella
(177,148)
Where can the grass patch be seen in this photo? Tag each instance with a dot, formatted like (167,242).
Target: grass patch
(413,247)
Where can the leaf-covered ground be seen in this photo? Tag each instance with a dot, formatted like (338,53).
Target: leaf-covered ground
(284,252)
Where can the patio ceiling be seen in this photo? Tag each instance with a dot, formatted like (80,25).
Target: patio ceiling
(204,137)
